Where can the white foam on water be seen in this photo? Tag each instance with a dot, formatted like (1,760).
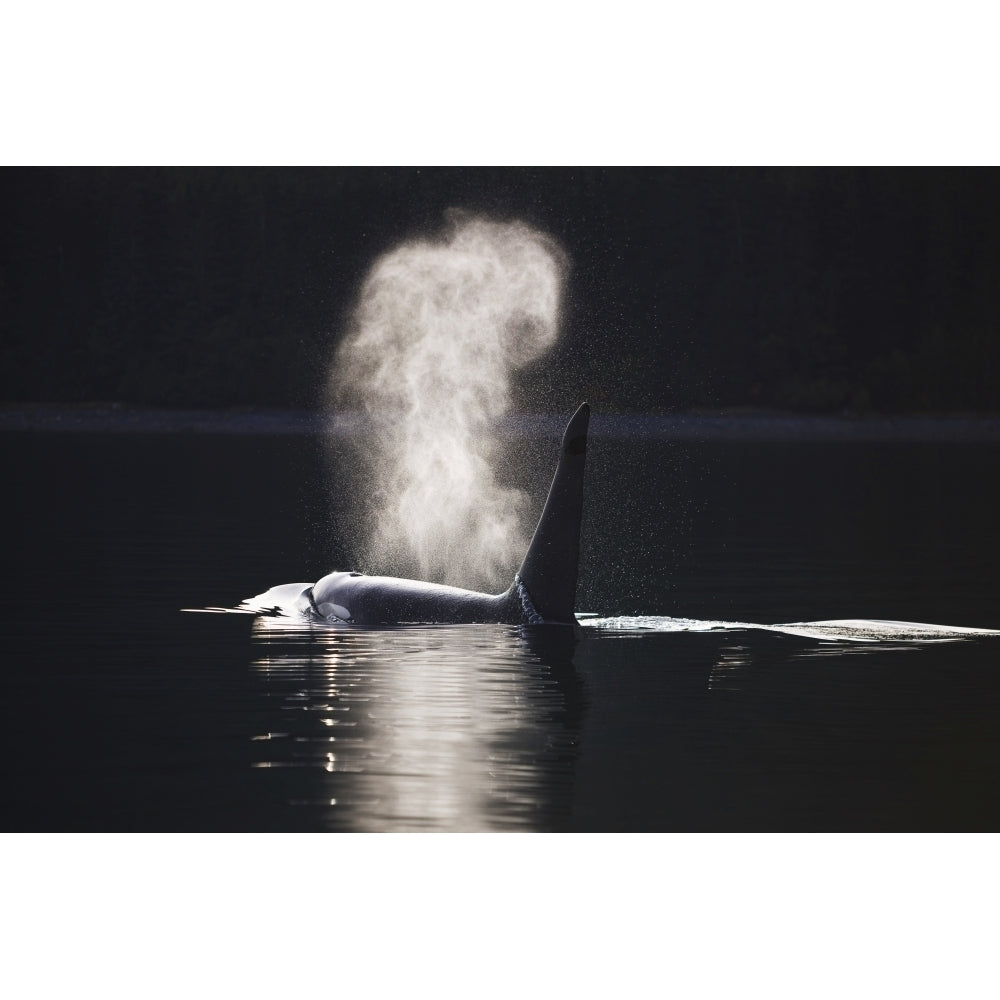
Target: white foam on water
(843,630)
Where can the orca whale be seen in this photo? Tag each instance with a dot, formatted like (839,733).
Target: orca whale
(543,590)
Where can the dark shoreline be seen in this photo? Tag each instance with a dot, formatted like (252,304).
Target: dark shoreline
(680,427)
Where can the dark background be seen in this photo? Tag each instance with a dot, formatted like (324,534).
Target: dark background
(795,289)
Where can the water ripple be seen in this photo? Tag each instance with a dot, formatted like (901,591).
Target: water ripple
(446,728)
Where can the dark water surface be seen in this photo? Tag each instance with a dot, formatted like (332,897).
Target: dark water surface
(121,712)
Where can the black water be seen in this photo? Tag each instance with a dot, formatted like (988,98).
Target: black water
(121,712)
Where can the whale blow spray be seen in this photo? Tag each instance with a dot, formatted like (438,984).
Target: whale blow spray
(439,328)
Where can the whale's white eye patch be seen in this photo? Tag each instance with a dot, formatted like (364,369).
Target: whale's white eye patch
(327,608)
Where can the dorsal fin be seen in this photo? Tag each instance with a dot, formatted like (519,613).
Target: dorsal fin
(549,569)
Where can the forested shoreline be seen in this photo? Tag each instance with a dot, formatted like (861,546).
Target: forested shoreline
(801,290)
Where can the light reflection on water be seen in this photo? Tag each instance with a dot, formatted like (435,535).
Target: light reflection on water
(120,714)
(453,728)
(482,727)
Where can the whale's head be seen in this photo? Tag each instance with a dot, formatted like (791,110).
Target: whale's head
(330,595)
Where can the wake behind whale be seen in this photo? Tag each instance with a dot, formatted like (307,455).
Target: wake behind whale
(842,629)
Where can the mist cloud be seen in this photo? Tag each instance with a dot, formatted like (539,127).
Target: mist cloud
(440,326)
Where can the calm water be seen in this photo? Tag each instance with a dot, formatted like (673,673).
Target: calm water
(121,712)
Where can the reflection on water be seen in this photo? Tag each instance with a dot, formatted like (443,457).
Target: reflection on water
(445,728)
(119,713)
(728,669)
(484,727)
(668,724)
